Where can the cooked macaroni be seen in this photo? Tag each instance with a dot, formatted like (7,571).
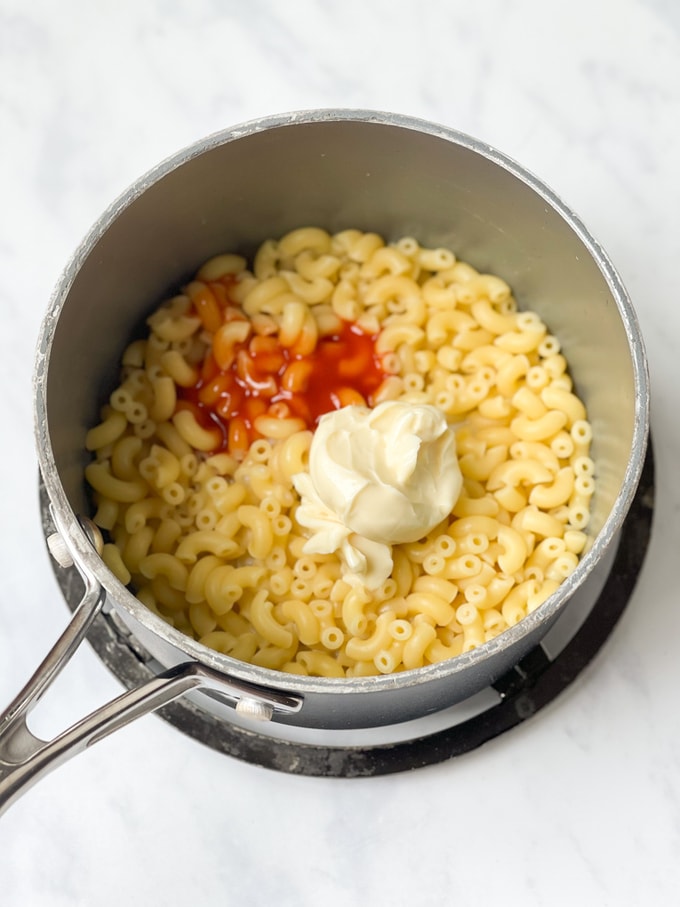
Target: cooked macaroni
(196,452)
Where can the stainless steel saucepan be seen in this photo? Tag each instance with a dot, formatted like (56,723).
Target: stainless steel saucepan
(335,168)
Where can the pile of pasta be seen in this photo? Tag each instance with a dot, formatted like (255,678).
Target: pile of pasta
(200,510)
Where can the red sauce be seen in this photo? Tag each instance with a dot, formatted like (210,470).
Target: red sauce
(343,368)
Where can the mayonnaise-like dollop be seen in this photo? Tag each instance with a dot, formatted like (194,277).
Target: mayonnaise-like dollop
(377,477)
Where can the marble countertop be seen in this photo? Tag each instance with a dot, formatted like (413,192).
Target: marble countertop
(581,804)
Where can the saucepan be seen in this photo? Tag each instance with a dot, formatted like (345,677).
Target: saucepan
(397,176)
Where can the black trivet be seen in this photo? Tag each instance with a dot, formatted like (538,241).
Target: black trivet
(536,681)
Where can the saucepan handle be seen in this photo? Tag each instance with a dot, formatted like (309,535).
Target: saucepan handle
(26,758)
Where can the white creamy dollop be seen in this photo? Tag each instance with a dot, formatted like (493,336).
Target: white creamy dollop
(377,477)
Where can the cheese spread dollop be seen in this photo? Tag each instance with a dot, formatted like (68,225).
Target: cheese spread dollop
(377,477)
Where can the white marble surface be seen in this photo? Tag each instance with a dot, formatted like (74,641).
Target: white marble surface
(579,805)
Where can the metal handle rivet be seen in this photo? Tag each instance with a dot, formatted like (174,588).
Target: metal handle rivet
(59,550)
(255,708)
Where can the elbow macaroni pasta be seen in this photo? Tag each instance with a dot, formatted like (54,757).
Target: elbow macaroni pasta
(201,519)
